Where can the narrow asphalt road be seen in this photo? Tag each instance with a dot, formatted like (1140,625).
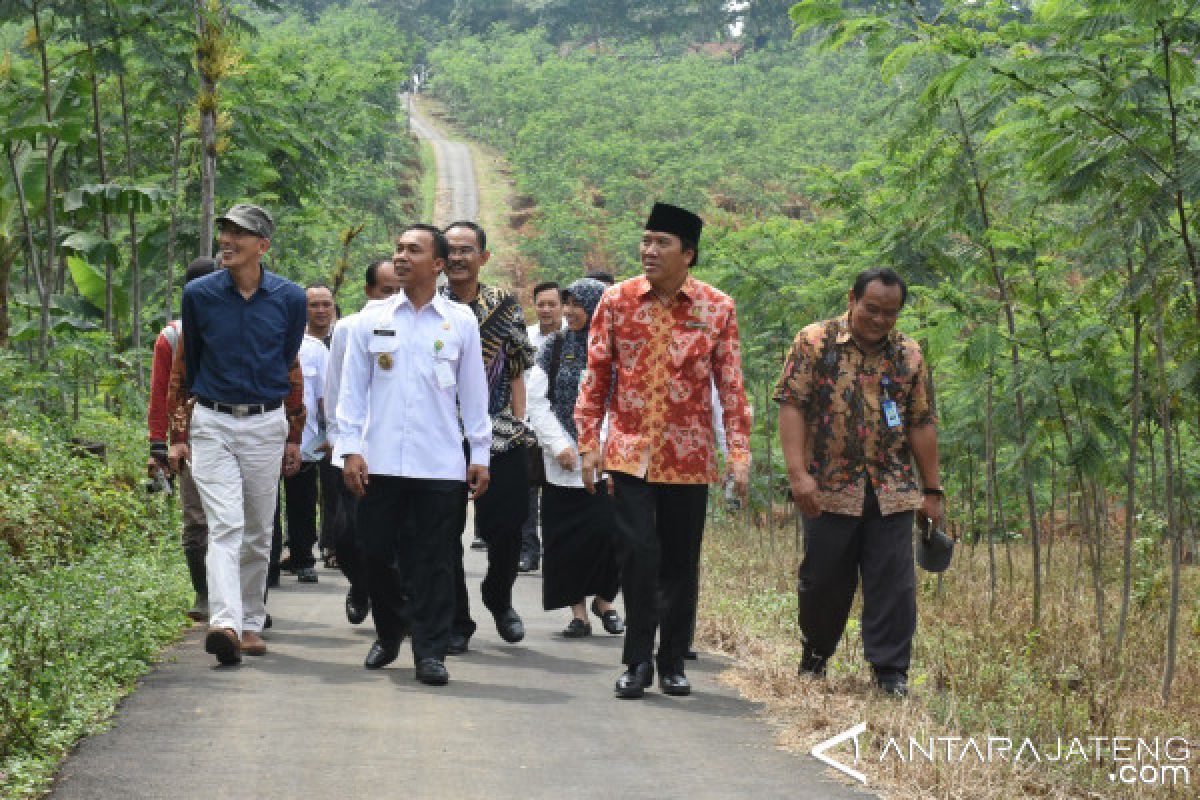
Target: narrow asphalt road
(532,720)
(457,190)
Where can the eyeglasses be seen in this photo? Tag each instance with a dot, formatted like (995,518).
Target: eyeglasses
(463,251)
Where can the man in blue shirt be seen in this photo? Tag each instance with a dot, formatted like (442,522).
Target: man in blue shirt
(243,326)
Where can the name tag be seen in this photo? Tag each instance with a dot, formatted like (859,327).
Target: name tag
(695,324)
(444,372)
(891,414)
(383,332)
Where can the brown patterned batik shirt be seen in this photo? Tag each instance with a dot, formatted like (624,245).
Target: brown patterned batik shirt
(837,386)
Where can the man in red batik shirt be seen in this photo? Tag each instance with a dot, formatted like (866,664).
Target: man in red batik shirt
(658,344)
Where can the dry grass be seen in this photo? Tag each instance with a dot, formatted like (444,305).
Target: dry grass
(976,671)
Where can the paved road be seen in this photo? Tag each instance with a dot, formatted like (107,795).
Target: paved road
(457,191)
(533,720)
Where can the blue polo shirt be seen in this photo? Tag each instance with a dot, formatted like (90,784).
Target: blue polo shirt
(239,350)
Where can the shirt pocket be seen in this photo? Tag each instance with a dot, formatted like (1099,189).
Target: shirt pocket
(385,356)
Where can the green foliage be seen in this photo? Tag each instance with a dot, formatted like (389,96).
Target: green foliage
(637,126)
(90,586)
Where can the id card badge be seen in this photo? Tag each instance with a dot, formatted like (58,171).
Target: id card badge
(891,414)
(444,372)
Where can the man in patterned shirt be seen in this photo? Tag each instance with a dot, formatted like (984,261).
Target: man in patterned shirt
(501,513)
(856,409)
(658,344)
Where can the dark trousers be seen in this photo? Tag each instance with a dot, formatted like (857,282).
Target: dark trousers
(331,497)
(530,544)
(345,539)
(408,529)
(499,515)
(838,549)
(276,545)
(659,527)
(301,510)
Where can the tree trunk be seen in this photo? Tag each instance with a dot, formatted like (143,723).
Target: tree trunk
(989,447)
(207,104)
(49,261)
(1135,413)
(1173,529)
(173,222)
(102,166)
(135,299)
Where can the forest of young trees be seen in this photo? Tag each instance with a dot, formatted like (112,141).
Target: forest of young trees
(1033,168)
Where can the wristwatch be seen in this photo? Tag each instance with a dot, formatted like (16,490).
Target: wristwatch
(930,490)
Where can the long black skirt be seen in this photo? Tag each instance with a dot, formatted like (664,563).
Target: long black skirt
(579,558)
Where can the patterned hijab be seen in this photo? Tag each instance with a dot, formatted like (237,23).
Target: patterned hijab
(586,293)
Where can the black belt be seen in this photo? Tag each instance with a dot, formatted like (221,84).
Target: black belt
(240,410)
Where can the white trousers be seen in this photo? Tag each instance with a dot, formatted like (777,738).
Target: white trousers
(236,465)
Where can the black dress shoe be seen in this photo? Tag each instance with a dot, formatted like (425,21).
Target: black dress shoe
(457,644)
(610,619)
(893,682)
(577,629)
(356,611)
(813,665)
(268,622)
(674,683)
(382,653)
(528,563)
(690,655)
(635,680)
(478,543)
(509,626)
(432,672)
(306,575)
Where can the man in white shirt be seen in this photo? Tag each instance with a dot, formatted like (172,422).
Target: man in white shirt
(381,284)
(547,301)
(302,488)
(407,378)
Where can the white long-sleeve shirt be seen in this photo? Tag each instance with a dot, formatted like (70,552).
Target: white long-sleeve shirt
(551,436)
(314,360)
(406,377)
(337,358)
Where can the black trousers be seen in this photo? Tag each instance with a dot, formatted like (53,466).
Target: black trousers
(276,544)
(499,515)
(659,527)
(346,540)
(332,486)
(530,544)
(838,549)
(408,530)
(301,511)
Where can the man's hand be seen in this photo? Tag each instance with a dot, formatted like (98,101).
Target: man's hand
(741,478)
(933,508)
(804,494)
(567,459)
(291,459)
(178,456)
(354,473)
(477,481)
(593,465)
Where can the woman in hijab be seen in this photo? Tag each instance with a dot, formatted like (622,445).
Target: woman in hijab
(577,527)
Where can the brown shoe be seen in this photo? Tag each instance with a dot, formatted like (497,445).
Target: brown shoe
(253,644)
(223,643)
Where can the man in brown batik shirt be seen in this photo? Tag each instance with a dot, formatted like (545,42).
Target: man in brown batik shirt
(856,410)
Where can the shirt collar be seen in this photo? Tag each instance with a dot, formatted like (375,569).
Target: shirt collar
(269,283)
(686,293)
(400,299)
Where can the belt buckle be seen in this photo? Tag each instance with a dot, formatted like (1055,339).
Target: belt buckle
(240,411)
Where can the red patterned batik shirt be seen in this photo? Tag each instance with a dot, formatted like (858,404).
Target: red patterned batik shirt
(652,367)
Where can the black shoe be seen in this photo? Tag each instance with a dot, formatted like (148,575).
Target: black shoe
(674,683)
(610,619)
(891,681)
(528,563)
(457,644)
(356,611)
(382,653)
(813,665)
(306,575)
(635,680)
(509,626)
(577,629)
(690,655)
(268,622)
(285,564)
(432,672)
(478,544)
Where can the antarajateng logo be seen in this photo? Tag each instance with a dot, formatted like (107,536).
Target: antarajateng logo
(1130,760)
